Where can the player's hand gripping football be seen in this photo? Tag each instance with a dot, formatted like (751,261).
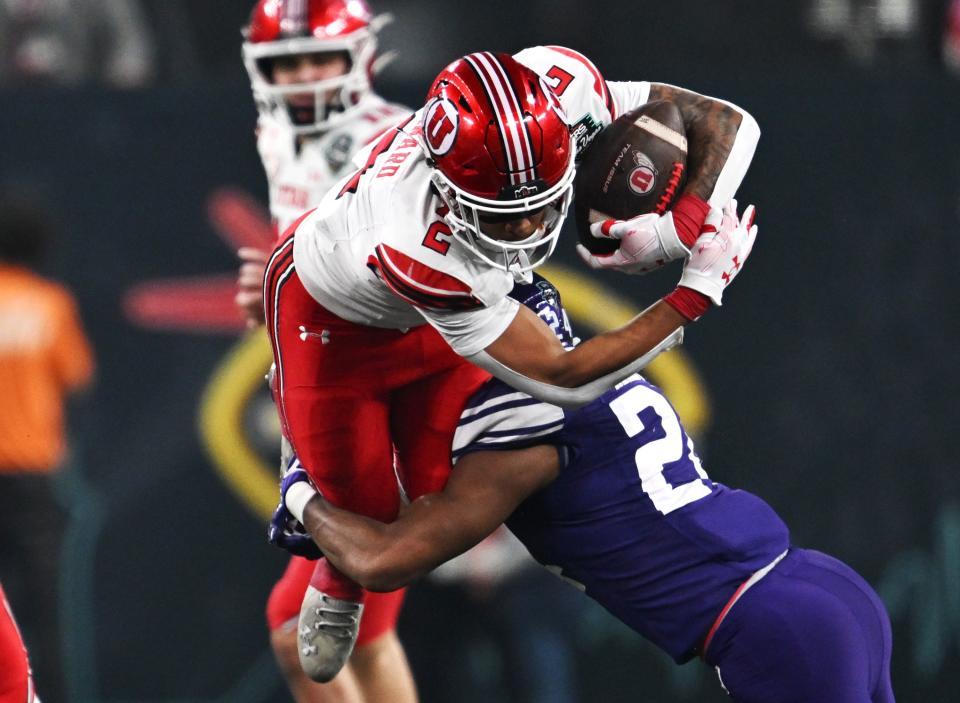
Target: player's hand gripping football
(249,296)
(647,242)
(720,252)
(285,531)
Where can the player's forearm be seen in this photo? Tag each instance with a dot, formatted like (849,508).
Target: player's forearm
(541,368)
(358,546)
(384,556)
(711,136)
(608,352)
(722,139)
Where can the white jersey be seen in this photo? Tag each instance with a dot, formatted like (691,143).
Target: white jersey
(589,101)
(300,172)
(377,251)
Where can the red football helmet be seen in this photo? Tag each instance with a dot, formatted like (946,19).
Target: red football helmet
(290,27)
(501,149)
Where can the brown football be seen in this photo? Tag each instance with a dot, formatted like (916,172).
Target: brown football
(633,167)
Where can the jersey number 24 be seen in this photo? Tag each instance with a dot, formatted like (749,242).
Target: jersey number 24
(638,409)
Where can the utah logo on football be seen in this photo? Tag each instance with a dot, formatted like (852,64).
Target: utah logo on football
(644,175)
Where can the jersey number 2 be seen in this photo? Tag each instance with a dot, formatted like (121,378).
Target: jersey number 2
(655,454)
(433,240)
(562,79)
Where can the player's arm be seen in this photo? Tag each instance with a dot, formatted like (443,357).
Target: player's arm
(483,490)
(528,356)
(722,139)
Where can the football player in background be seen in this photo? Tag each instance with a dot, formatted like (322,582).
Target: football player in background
(449,210)
(46,360)
(310,64)
(16,682)
(613,498)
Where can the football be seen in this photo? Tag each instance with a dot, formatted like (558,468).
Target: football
(633,167)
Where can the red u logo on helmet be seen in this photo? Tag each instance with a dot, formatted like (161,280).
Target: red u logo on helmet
(441,121)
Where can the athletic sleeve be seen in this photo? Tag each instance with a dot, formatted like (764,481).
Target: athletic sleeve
(472,331)
(628,95)
(499,417)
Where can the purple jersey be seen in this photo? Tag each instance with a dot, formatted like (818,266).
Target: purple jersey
(632,518)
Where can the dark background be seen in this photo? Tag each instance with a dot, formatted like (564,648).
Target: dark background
(831,367)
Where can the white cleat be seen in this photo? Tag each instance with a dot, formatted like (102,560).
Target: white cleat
(326,633)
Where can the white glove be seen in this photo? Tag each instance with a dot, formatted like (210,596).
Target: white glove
(647,242)
(718,256)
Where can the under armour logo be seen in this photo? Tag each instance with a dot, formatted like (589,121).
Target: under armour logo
(323,335)
(728,276)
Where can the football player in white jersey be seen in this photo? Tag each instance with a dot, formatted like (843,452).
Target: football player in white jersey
(383,302)
(310,64)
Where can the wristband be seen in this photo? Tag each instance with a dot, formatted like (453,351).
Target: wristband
(298,495)
(689,214)
(686,301)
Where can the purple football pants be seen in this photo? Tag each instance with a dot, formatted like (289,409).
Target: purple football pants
(811,631)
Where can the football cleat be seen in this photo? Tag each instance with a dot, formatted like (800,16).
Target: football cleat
(326,633)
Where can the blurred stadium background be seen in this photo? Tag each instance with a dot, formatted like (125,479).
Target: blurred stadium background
(827,384)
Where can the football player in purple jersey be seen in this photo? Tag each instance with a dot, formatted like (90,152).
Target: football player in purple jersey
(613,498)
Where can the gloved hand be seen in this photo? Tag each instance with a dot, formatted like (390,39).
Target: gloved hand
(285,531)
(647,242)
(717,256)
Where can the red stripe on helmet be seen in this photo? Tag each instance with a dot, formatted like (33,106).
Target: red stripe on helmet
(293,18)
(506,107)
(526,143)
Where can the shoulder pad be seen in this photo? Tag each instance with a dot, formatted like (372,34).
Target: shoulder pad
(573,77)
(419,284)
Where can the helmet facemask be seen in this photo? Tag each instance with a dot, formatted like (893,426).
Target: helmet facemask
(467,213)
(502,151)
(335,99)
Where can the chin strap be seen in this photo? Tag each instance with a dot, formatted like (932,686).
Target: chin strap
(573,398)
